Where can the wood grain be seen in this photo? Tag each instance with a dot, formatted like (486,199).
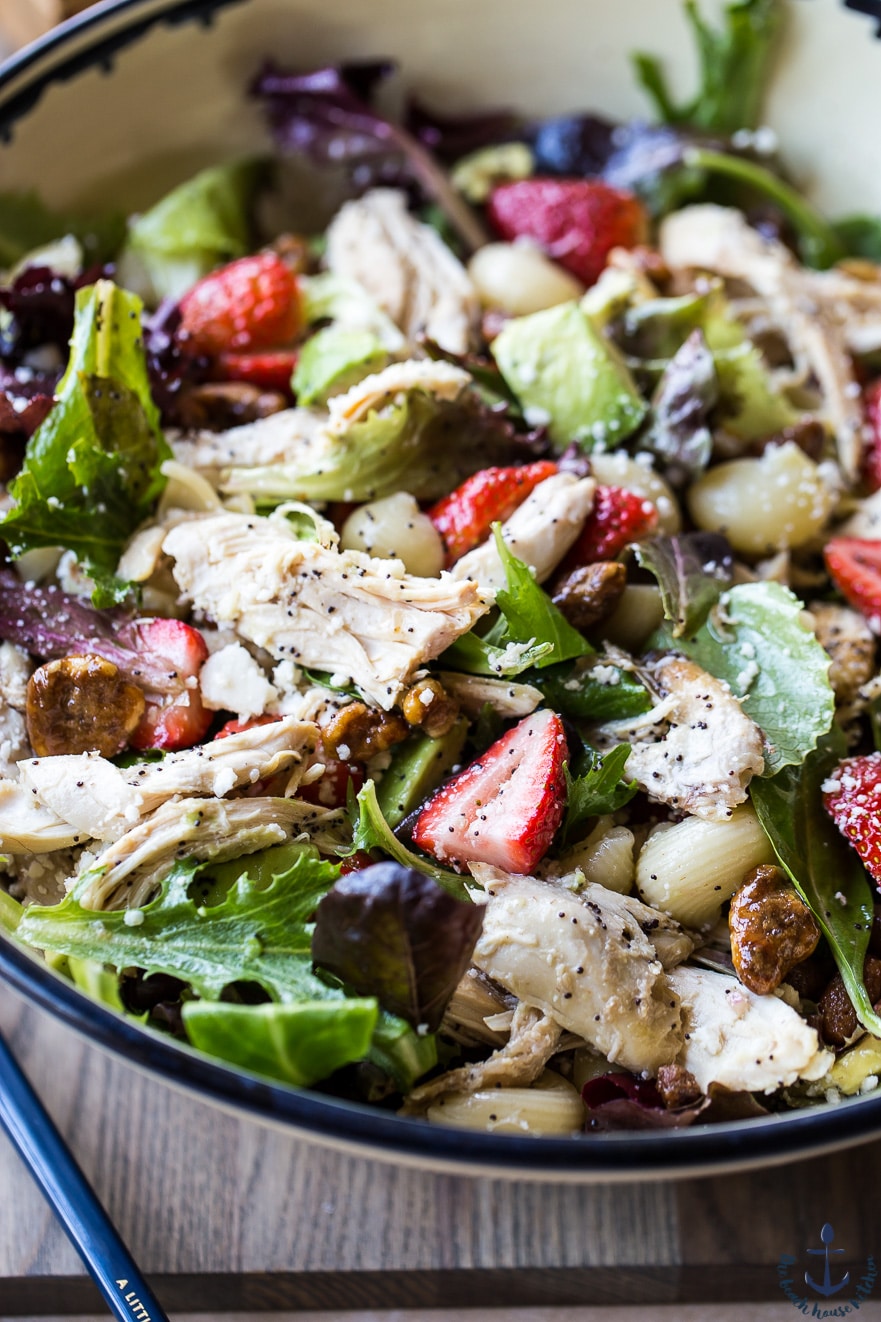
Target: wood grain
(225,1214)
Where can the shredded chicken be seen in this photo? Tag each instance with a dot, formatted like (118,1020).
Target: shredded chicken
(442,380)
(539,532)
(742,1041)
(28,826)
(534,1038)
(849,641)
(474,692)
(587,960)
(696,749)
(406,267)
(342,612)
(102,801)
(293,434)
(817,312)
(127,873)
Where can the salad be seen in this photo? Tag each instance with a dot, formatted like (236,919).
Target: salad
(439,644)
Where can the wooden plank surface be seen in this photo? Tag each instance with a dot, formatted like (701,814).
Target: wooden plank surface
(224,1214)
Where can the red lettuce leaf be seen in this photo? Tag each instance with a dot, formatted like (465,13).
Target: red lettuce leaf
(393,933)
(621,1101)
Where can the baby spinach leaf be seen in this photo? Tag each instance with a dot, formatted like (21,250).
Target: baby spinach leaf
(92,470)
(296,1043)
(596,693)
(755,640)
(391,932)
(372,831)
(824,869)
(256,932)
(529,612)
(693,570)
(861,236)
(596,788)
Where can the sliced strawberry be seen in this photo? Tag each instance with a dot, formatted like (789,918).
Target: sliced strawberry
(271,370)
(852,798)
(253,303)
(577,222)
(617,518)
(356,862)
(871,466)
(332,789)
(505,808)
(855,568)
(174,716)
(464,517)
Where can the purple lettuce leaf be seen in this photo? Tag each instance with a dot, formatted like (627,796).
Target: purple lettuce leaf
(326,115)
(450,137)
(622,1101)
(393,933)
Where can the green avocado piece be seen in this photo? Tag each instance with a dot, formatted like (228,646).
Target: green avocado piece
(565,373)
(332,360)
(417,767)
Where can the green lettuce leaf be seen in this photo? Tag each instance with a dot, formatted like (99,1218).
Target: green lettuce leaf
(255,932)
(332,360)
(861,236)
(749,405)
(26,224)
(576,691)
(10,912)
(596,787)
(734,62)
(297,1043)
(391,932)
(400,1052)
(530,630)
(197,226)
(823,867)
(371,831)
(679,431)
(346,303)
(755,640)
(693,570)
(92,470)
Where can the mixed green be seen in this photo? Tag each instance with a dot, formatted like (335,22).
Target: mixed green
(439,651)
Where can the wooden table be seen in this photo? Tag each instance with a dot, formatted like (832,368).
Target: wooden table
(225,1215)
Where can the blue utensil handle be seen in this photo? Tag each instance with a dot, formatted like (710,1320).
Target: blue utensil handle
(85,1221)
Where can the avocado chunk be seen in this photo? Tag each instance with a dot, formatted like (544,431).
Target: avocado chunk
(566,374)
(334,359)
(417,767)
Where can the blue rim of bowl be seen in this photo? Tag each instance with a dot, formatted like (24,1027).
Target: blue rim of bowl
(613,1155)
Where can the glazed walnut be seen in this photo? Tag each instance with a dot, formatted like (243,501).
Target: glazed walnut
(590,593)
(772,930)
(359,732)
(81,704)
(429,706)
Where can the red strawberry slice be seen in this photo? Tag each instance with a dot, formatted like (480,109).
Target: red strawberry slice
(852,798)
(332,789)
(855,568)
(465,517)
(576,221)
(506,807)
(253,303)
(617,518)
(871,466)
(175,717)
(271,370)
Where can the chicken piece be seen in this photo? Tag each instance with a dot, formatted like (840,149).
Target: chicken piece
(440,379)
(847,638)
(406,267)
(744,1042)
(102,801)
(505,696)
(534,1038)
(696,749)
(28,826)
(539,532)
(585,960)
(811,312)
(126,874)
(292,434)
(342,612)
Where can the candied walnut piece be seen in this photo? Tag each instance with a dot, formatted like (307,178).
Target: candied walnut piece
(428,705)
(295,251)
(678,1087)
(218,405)
(772,930)
(359,732)
(81,704)
(836,1018)
(589,594)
